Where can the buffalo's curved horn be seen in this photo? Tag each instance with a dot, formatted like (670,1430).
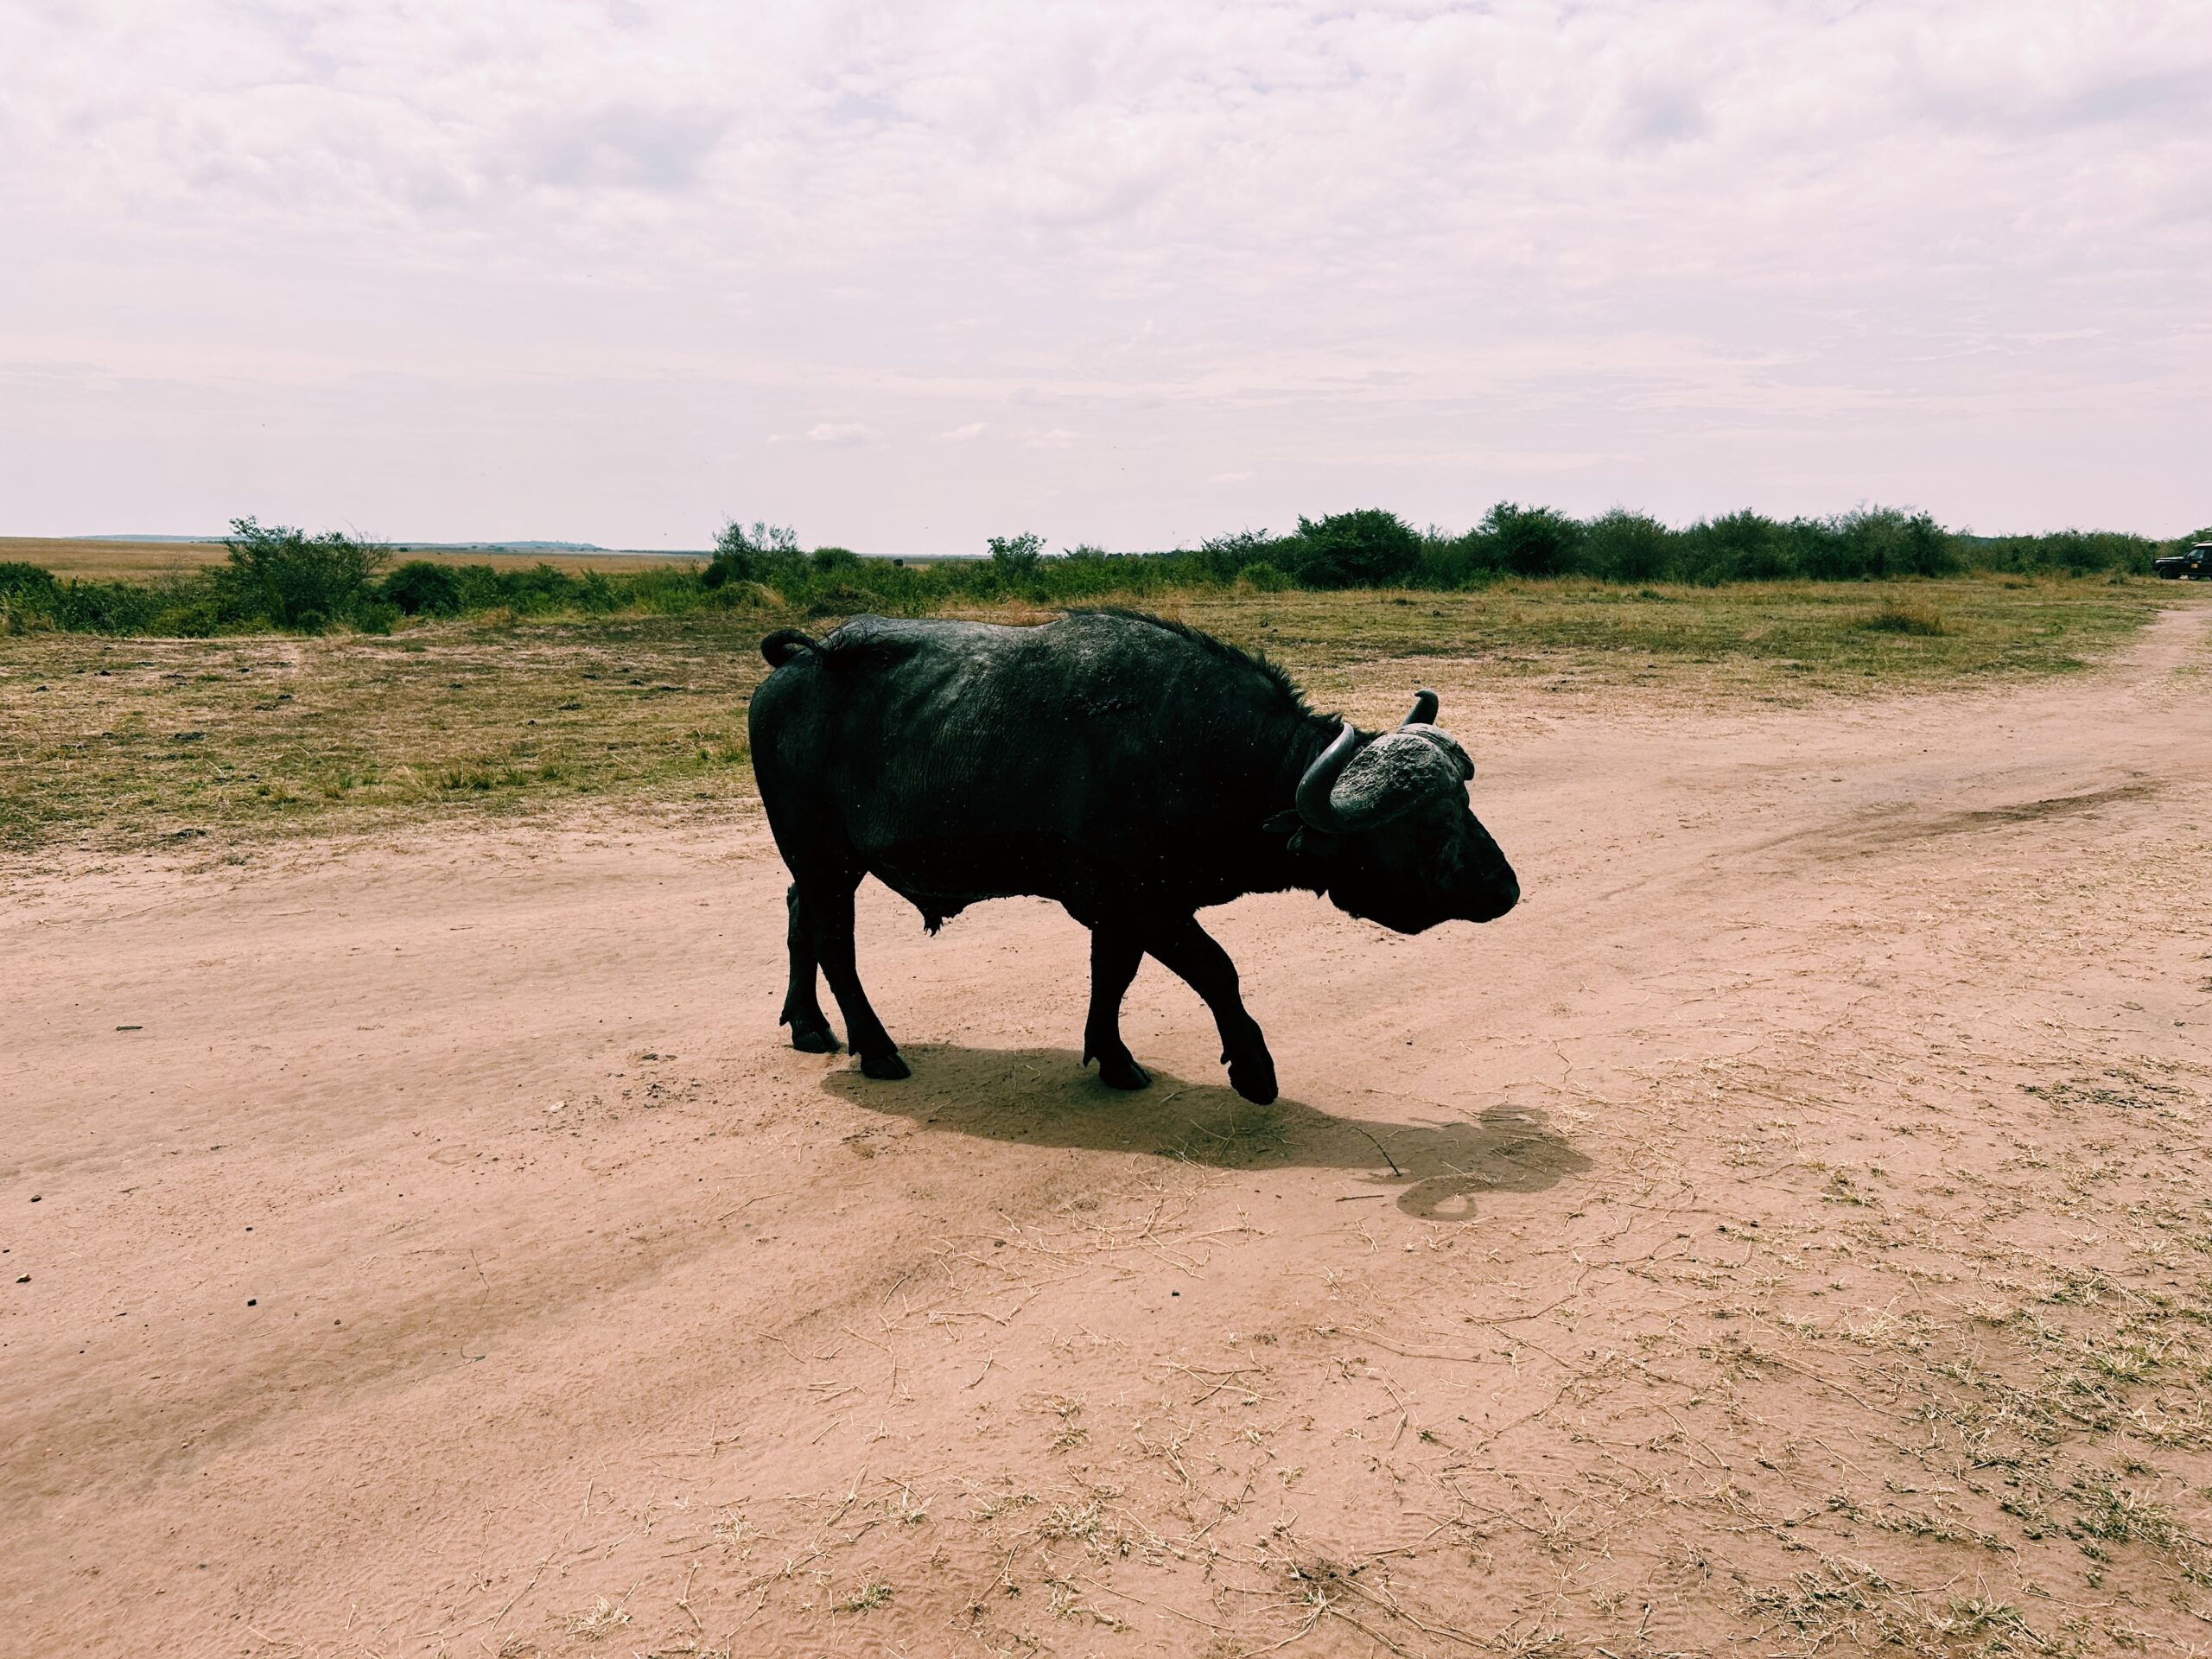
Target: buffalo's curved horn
(1424,714)
(1314,804)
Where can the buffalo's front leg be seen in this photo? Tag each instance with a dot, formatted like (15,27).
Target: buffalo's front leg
(810,1031)
(829,924)
(1188,952)
(1116,952)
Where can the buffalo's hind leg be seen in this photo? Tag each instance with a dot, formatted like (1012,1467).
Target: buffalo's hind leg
(810,1031)
(828,907)
(1115,952)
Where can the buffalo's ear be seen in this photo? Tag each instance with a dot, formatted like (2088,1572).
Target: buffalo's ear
(1314,842)
(1283,823)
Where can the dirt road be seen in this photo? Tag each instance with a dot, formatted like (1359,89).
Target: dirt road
(1790,1229)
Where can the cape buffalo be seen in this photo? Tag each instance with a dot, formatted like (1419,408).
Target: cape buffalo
(1132,769)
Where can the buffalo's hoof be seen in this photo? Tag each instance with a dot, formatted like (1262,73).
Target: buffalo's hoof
(1254,1078)
(1123,1073)
(814,1038)
(884,1068)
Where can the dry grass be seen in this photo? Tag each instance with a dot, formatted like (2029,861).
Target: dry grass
(142,561)
(112,744)
(874,1592)
(111,561)
(130,743)
(1782,640)
(599,1620)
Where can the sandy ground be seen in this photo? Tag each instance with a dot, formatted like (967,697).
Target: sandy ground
(1787,1231)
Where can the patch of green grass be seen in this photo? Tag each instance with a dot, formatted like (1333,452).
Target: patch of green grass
(1907,616)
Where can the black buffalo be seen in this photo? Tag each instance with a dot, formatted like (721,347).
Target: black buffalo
(1134,770)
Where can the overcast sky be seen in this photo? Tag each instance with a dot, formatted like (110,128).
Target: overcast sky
(905,275)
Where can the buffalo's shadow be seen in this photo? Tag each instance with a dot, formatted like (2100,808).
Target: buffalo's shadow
(1044,1097)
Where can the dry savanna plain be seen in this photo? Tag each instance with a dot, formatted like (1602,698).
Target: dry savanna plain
(1789,1232)
(128,560)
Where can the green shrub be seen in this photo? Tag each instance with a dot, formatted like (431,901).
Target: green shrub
(19,581)
(593,592)
(1370,548)
(1624,546)
(761,554)
(1017,556)
(186,605)
(839,598)
(421,589)
(1222,556)
(281,578)
(1458,561)
(1533,541)
(543,586)
(280,574)
(731,596)
(27,597)
(1884,542)
(1735,547)
(2077,552)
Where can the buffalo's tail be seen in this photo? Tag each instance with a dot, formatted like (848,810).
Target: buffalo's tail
(783,644)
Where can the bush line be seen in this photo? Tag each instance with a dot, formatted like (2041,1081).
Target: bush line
(283,579)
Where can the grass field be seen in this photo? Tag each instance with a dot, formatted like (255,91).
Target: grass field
(103,560)
(129,743)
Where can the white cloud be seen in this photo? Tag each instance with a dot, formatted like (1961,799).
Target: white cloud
(618,147)
(967,434)
(1229,478)
(402,265)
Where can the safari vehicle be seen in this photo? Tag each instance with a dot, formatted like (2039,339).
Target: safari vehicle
(2195,565)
